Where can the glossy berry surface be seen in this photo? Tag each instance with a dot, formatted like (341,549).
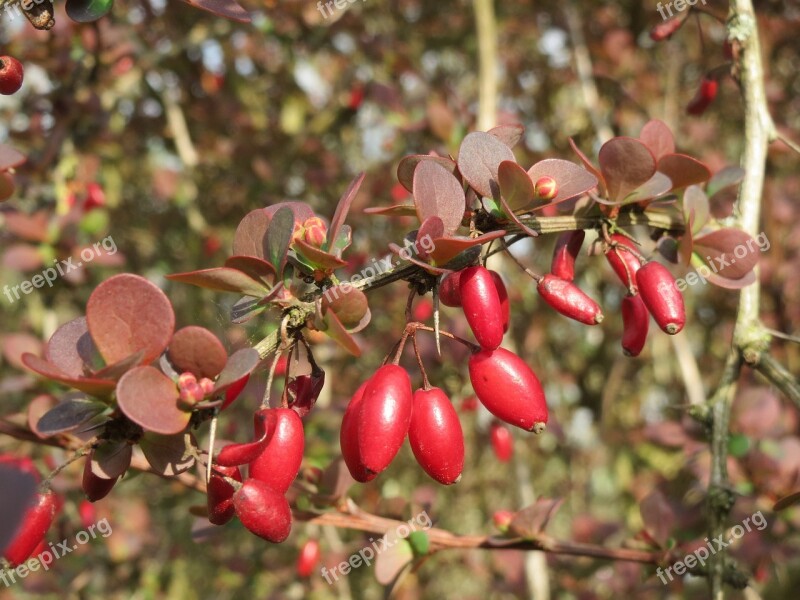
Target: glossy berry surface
(482,307)
(263,511)
(662,297)
(11,75)
(436,437)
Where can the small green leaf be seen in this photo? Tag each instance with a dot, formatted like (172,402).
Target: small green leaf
(738,445)
(420,542)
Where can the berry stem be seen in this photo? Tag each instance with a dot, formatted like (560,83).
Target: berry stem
(425,383)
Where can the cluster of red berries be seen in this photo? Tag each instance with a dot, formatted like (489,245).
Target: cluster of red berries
(651,289)
(273,459)
(11,74)
(37,519)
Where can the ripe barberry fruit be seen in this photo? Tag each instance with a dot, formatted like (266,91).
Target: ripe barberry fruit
(502,442)
(308,559)
(436,437)
(545,188)
(450,289)
(505,304)
(384,417)
(625,263)
(31,531)
(568,299)
(482,308)
(705,95)
(508,388)
(348,438)
(263,511)
(220,494)
(95,197)
(280,460)
(662,297)
(565,253)
(234,455)
(11,75)
(635,323)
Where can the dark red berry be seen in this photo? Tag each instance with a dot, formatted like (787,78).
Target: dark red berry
(436,437)
(635,323)
(662,297)
(568,245)
(450,289)
(665,29)
(482,308)
(502,293)
(263,511)
(220,494)
(308,559)
(11,75)
(624,262)
(384,417)
(705,95)
(280,460)
(508,388)
(348,438)
(568,299)
(31,531)
(234,455)
(502,442)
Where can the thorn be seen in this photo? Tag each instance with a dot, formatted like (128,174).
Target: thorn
(436,318)
(212,438)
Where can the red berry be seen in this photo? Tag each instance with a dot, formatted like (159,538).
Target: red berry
(635,322)
(545,188)
(705,95)
(308,559)
(31,531)
(502,293)
(95,197)
(469,404)
(482,307)
(423,310)
(508,388)
(436,437)
(384,417)
(665,29)
(11,74)
(95,487)
(565,253)
(662,297)
(348,438)
(233,391)
(568,299)
(234,455)
(450,289)
(263,511)
(502,442)
(87,513)
(220,494)
(280,460)
(624,263)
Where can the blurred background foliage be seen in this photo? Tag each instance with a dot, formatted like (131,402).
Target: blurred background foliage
(186,122)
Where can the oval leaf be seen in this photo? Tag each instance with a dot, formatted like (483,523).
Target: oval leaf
(342,208)
(93,387)
(251,234)
(71,348)
(407,167)
(437,193)
(515,185)
(150,399)
(240,364)
(222,279)
(168,454)
(111,460)
(731,253)
(510,135)
(126,314)
(626,164)
(68,415)
(572,181)
(683,170)
(197,350)
(479,160)
(657,136)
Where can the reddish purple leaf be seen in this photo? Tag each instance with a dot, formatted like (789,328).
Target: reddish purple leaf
(404,254)
(601,183)
(167,454)
(532,520)
(399,210)
(240,364)
(626,164)
(150,399)
(118,369)
(71,348)
(683,170)
(432,228)
(32,228)
(510,135)
(250,238)
(696,207)
(222,279)
(407,167)
(304,391)
(68,415)
(337,332)
(319,258)
(437,193)
(111,460)
(658,517)
(254,267)
(301,211)
(93,387)
(479,160)
(731,253)
(126,314)
(516,185)
(342,208)
(657,136)
(445,249)
(10,158)
(197,350)
(279,237)
(724,178)
(572,181)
